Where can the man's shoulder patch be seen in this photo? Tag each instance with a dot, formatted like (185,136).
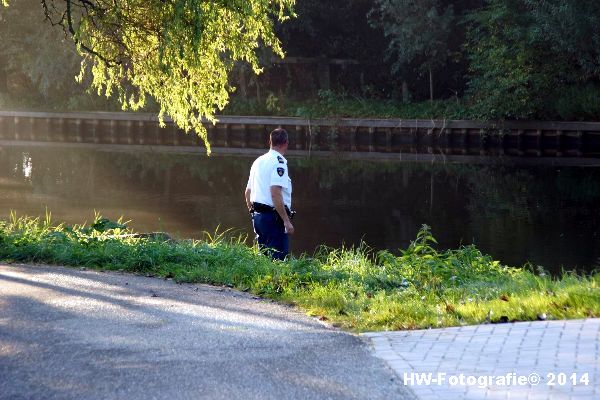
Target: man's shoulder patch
(280,159)
(280,171)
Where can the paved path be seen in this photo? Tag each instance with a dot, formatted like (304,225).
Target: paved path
(71,334)
(557,352)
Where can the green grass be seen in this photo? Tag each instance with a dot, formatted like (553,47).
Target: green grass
(356,289)
(332,105)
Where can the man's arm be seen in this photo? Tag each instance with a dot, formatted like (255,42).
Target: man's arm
(247,196)
(277,198)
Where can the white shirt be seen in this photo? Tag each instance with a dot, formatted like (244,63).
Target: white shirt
(268,170)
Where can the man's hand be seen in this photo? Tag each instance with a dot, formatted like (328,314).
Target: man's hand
(277,198)
(289,228)
(248,202)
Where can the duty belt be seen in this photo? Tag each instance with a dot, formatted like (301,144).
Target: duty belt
(264,208)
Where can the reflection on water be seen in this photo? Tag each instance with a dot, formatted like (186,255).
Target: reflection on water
(546,215)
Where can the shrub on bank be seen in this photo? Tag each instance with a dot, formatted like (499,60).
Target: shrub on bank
(329,104)
(354,288)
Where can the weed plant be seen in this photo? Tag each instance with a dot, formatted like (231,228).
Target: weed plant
(354,288)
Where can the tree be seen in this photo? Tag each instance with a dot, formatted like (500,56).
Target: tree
(535,59)
(418,31)
(506,79)
(571,28)
(43,58)
(179,52)
(333,28)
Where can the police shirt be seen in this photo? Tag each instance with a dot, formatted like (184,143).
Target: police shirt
(268,170)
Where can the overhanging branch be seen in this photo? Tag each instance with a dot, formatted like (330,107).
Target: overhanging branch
(67,23)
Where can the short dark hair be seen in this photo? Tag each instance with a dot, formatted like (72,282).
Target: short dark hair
(278,137)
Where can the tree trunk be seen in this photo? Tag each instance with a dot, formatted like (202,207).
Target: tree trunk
(405,92)
(258,91)
(430,85)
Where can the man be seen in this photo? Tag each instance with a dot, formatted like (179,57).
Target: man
(269,198)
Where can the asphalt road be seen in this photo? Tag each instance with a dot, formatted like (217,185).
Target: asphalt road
(72,334)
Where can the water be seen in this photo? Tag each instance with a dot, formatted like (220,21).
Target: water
(548,216)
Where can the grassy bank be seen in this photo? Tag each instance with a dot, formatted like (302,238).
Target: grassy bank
(356,289)
(332,105)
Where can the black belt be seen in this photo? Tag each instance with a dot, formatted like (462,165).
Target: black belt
(264,208)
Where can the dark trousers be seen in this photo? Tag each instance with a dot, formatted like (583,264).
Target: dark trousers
(270,234)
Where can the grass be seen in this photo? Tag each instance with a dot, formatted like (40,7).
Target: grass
(355,288)
(333,105)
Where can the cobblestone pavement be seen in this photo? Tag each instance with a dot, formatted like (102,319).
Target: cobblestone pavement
(559,353)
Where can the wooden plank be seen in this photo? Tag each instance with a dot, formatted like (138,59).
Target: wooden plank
(16,127)
(527,136)
(388,140)
(46,132)
(299,137)
(32,125)
(140,132)
(344,122)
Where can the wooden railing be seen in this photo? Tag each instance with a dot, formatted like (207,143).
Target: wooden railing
(385,136)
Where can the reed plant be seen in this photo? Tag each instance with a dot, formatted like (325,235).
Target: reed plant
(356,288)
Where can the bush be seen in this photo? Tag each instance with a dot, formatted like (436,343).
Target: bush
(580,103)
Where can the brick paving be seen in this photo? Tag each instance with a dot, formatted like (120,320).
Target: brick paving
(502,351)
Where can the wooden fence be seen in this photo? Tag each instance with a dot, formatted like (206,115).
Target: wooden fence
(374,136)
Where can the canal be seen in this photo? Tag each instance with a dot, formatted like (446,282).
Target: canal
(545,215)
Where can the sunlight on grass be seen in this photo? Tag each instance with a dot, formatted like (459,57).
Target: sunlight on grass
(354,288)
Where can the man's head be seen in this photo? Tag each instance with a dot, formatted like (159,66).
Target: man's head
(279,140)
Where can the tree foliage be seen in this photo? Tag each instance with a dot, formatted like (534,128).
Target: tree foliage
(571,28)
(179,52)
(506,57)
(30,49)
(333,28)
(514,58)
(416,30)
(527,57)
(326,30)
